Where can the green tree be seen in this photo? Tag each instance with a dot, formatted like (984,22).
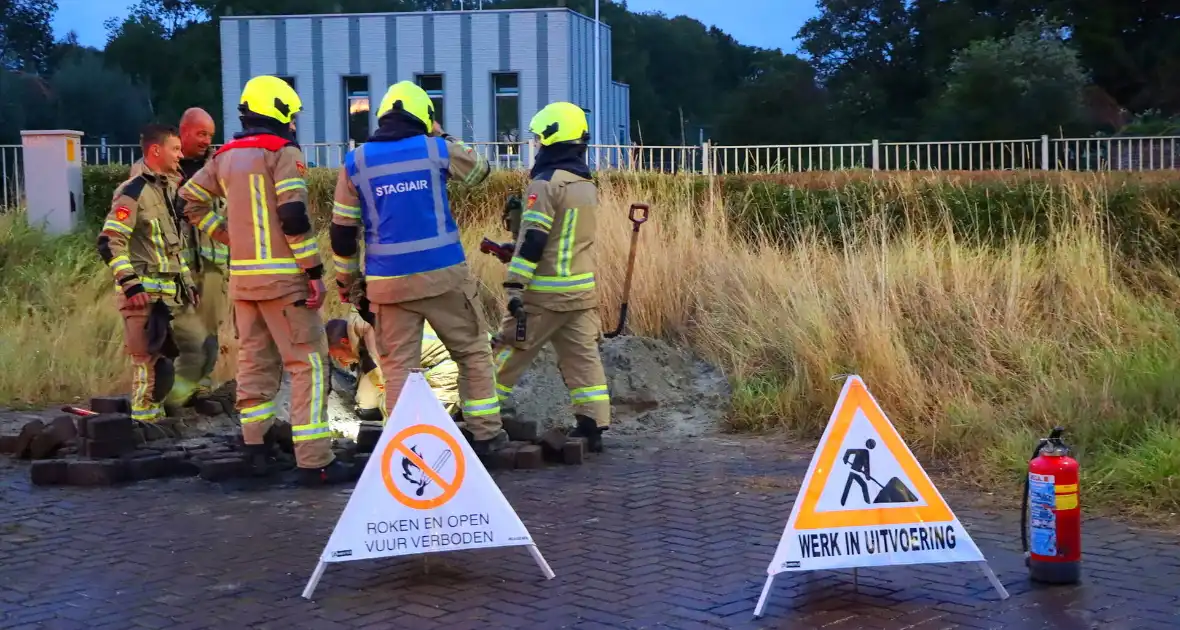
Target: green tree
(864,52)
(779,103)
(25,103)
(172,48)
(26,34)
(1021,86)
(1131,48)
(98,100)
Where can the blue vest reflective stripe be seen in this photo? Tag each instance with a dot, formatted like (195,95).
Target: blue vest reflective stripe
(403,193)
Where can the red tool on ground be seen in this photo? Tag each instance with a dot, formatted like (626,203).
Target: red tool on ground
(78,411)
(1051,517)
(636,221)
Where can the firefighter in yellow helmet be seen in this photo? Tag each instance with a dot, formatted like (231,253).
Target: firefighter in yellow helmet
(275,276)
(550,281)
(395,186)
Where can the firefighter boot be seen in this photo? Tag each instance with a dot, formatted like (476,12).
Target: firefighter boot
(259,459)
(334,473)
(259,455)
(483,448)
(589,430)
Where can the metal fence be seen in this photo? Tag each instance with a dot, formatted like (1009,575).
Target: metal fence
(1044,153)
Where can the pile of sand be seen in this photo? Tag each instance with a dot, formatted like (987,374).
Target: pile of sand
(654,387)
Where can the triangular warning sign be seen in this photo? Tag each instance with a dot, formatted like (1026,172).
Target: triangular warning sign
(424,490)
(866,501)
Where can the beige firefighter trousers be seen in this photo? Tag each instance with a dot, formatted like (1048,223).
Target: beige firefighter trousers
(454,317)
(575,336)
(194,370)
(187,332)
(212,310)
(277,335)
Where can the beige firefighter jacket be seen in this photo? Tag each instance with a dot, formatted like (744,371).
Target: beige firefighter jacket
(272,247)
(141,239)
(563,206)
(197,243)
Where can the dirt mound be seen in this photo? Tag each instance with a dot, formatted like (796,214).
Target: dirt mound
(654,388)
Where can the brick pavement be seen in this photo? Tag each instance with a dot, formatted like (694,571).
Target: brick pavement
(648,536)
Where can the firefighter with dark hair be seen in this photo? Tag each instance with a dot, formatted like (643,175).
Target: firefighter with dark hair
(352,344)
(275,277)
(142,242)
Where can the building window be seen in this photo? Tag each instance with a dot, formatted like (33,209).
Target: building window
(433,84)
(506,92)
(356,102)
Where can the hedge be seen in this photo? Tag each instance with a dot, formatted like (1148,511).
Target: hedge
(1142,210)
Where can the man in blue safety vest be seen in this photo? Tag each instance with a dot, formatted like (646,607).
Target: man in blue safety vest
(395,186)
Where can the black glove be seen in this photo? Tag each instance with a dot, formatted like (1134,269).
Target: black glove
(515,299)
(362,307)
(511,205)
(360,299)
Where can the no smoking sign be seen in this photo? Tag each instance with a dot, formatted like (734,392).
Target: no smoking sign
(423,467)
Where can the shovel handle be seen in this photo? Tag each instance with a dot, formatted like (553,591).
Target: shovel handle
(636,218)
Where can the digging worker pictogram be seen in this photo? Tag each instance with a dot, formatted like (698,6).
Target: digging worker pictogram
(550,284)
(142,242)
(895,491)
(394,185)
(860,466)
(275,276)
(206,258)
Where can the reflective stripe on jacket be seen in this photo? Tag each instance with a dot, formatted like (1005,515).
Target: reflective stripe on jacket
(408,224)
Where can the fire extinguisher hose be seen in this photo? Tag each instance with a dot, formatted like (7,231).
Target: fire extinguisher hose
(1024,501)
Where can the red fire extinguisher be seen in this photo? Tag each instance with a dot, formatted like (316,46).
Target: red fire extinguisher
(1051,517)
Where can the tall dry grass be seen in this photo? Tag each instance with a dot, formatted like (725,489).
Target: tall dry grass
(973,350)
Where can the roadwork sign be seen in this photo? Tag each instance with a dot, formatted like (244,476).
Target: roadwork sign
(423,491)
(867,502)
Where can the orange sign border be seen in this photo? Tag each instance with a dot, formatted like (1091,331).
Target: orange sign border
(859,398)
(397,444)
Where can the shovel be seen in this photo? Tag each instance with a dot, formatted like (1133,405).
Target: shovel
(637,220)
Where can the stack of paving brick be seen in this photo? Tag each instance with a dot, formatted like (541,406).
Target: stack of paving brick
(98,450)
(553,447)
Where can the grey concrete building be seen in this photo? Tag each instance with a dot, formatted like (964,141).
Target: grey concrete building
(487,71)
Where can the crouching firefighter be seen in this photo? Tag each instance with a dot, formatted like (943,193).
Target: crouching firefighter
(550,282)
(415,267)
(141,241)
(275,277)
(349,344)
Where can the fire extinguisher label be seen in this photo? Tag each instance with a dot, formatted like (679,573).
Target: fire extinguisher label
(1042,520)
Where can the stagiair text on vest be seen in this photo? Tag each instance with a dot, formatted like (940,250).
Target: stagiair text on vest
(401,187)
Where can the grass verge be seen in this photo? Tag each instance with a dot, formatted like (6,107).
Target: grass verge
(976,340)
